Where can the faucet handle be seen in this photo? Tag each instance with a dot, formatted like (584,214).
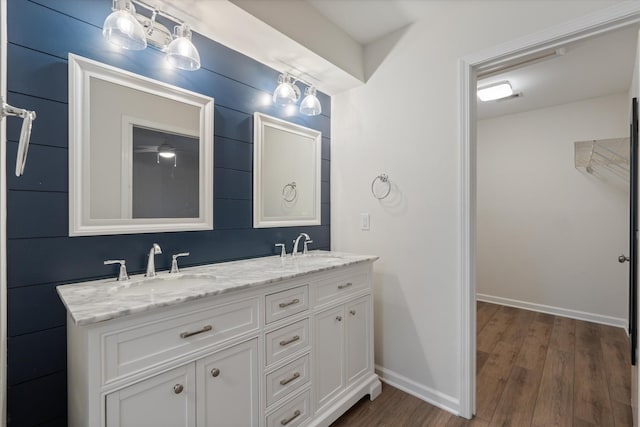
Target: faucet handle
(122,275)
(174,261)
(305,249)
(283,250)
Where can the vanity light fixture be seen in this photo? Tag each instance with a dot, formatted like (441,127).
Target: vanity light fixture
(122,28)
(126,28)
(310,105)
(287,94)
(181,53)
(495,91)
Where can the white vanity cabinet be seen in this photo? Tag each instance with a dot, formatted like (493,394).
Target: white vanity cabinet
(343,347)
(167,399)
(218,390)
(227,387)
(293,351)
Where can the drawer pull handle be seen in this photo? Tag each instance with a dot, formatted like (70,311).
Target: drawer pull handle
(339,318)
(190,334)
(346,285)
(287,304)
(293,417)
(290,340)
(177,389)
(353,312)
(215,372)
(288,380)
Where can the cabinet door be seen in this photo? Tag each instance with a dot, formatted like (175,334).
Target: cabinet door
(167,400)
(228,387)
(357,337)
(328,354)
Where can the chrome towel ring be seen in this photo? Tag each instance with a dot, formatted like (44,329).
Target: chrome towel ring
(289,192)
(384,182)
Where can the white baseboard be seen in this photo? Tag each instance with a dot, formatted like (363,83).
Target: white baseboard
(557,311)
(429,395)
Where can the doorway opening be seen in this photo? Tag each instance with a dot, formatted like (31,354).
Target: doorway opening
(504,56)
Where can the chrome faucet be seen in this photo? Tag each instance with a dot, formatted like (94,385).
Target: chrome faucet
(307,240)
(151,266)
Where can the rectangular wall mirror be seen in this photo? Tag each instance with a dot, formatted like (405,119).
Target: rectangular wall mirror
(286,173)
(140,153)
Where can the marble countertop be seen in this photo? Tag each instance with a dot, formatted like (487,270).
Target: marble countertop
(101,300)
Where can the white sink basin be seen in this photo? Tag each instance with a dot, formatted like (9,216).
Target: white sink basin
(162,283)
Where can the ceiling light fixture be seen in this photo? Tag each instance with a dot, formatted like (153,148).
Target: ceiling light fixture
(126,28)
(287,94)
(166,151)
(495,91)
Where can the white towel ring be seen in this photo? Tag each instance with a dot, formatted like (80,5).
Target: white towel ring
(383,178)
(290,194)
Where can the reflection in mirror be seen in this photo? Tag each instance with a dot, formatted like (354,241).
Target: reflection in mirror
(140,153)
(286,173)
(165,174)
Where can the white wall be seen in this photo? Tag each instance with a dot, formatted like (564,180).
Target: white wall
(404,122)
(548,233)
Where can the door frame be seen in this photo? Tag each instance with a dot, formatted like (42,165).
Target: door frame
(3,218)
(608,19)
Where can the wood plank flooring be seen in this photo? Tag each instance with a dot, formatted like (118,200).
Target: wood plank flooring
(533,369)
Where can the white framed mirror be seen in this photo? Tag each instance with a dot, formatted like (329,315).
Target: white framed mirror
(286,173)
(140,153)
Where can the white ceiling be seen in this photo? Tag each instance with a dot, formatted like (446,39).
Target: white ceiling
(365,24)
(594,67)
(590,68)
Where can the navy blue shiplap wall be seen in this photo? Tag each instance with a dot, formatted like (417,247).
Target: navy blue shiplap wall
(40,254)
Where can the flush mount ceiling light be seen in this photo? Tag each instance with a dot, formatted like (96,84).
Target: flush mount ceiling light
(495,91)
(287,94)
(128,29)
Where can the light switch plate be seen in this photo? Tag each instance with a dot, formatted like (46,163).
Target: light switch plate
(364,221)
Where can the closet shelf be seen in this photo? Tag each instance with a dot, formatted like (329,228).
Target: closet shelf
(603,155)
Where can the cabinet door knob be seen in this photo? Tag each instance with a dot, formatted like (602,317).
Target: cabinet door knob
(353,312)
(215,372)
(339,318)
(177,389)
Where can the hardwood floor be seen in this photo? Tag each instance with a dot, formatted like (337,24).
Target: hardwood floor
(533,369)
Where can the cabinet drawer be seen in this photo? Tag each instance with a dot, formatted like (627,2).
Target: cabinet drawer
(291,414)
(282,304)
(138,348)
(287,379)
(330,289)
(286,341)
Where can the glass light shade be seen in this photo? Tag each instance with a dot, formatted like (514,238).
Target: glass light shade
(494,92)
(181,53)
(122,29)
(310,105)
(284,94)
